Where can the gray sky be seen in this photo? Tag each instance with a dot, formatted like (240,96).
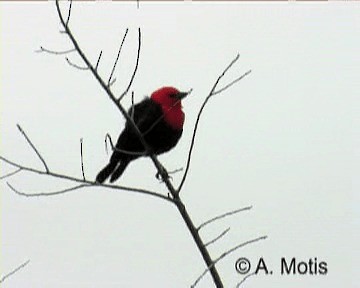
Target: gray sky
(285,140)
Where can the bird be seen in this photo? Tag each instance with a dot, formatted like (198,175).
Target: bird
(160,120)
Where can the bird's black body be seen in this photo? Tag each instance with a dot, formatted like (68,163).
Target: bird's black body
(158,134)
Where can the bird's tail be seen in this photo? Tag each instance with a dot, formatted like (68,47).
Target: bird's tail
(106,172)
(119,170)
(114,168)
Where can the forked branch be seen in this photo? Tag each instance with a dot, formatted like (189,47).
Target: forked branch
(211,94)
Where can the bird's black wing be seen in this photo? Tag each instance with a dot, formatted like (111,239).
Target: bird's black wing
(145,114)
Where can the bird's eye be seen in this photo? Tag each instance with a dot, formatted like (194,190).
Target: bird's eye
(173,95)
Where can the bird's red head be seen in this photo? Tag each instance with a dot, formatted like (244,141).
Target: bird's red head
(169,98)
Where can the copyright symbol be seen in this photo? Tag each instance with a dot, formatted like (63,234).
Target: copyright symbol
(242,265)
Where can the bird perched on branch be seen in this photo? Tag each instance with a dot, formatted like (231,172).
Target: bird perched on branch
(160,120)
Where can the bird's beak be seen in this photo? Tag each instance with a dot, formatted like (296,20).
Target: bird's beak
(182,95)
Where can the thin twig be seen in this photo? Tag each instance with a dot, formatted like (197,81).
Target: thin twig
(69,13)
(33,147)
(10,174)
(245,278)
(40,194)
(98,61)
(75,65)
(118,55)
(112,82)
(113,148)
(231,83)
(175,170)
(223,216)
(84,182)
(218,237)
(132,105)
(136,67)
(211,93)
(82,159)
(224,255)
(42,49)
(237,247)
(14,271)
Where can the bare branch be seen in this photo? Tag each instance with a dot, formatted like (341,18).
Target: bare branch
(245,278)
(14,271)
(224,255)
(223,216)
(117,57)
(98,61)
(82,159)
(33,147)
(223,73)
(84,182)
(218,237)
(75,65)
(42,49)
(237,247)
(10,174)
(211,93)
(69,13)
(112,82)
(132,106)
(40,194)
(113,148)
(136,67)
(231,83)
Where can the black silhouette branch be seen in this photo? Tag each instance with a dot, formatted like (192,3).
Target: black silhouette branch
(69,14)
(211,94)
(84,183)
(98,61)
(3,278)
(135,69)
(117,57)
(82,158)
(33,147)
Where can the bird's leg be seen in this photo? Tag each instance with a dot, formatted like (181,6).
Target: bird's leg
(168,173)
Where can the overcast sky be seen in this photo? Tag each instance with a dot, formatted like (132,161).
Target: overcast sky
(285,139)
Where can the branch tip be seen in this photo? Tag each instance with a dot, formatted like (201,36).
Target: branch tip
(33,147)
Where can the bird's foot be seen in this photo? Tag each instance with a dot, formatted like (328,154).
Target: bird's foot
(162,175)
(166,173)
